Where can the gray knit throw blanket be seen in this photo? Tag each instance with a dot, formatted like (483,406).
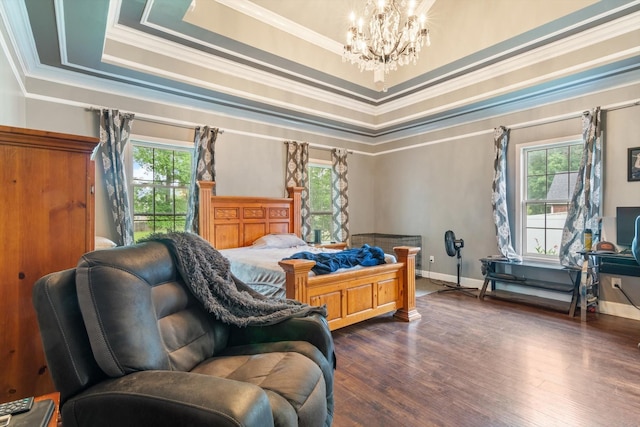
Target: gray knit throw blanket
(207,274)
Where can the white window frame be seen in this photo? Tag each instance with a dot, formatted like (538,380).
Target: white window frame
(521,178)
(150,142)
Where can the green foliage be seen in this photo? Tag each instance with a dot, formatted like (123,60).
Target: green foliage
(543,164)
(320,188)
(160,189)
(320,199)
(541,250)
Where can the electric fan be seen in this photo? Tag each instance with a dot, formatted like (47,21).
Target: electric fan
(453,247)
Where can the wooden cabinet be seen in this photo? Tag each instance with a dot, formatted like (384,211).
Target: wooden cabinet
(46,224)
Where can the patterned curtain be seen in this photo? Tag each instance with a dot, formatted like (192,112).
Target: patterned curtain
(585,205)
(297,175)
(115,130)
(499,196)
(203,168)
(340,202)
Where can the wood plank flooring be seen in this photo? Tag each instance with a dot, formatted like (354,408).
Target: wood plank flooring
(488,363)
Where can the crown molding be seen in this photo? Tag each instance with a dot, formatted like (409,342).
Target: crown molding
(444,83)
(281,23)
(180,52)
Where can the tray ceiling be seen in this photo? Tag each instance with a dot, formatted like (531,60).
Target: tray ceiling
(280,59)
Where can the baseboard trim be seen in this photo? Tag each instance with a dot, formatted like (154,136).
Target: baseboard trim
(619,309)
(464,281)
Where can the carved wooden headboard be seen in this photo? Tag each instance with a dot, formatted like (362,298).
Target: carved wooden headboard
(237,221)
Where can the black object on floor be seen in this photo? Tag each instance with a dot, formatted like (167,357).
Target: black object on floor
(453,247)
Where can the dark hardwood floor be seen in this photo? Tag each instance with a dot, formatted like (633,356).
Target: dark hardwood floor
(488,363)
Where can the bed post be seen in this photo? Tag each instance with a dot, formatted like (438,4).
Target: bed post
(407,255)
(295,193)
(297,277)
(204,213)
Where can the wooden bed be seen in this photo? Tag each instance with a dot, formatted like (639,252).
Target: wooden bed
(350,297)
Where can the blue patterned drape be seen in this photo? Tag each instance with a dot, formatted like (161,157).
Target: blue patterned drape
(586,202)
(297,175)
(115,130)
(202,169)
(340,202)
(499,196)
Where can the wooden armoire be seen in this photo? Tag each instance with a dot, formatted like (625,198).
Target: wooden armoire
(46,225)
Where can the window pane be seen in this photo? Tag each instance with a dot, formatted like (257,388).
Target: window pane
(163,200)
(535,241)
(162,166)
(557,160)
(142,163)
(559,187)
(322,222)
(165,223)
(182,168)
(537,187)
(181,200)
(143,200)
(536,162)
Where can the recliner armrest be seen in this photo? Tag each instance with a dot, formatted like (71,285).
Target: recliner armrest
(313,329)
(169,398)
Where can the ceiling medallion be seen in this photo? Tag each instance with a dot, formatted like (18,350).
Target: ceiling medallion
(385,38)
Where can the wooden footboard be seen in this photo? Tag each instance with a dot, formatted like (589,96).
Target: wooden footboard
(356,295)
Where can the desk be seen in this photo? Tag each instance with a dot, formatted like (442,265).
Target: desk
(597,263)
(622,264)
(546,277)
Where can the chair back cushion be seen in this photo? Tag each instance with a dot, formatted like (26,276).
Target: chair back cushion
(64,337)
(138,313)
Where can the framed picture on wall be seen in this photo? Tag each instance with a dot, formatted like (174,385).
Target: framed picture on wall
(633,164)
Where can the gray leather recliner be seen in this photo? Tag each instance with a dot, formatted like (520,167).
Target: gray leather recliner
(128,345)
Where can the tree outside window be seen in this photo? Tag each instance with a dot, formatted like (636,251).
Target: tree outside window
(320,199)
(161,179)
(550,176)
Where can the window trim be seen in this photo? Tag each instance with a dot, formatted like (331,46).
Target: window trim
(520,191)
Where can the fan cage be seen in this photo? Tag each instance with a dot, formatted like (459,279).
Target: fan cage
(389,241)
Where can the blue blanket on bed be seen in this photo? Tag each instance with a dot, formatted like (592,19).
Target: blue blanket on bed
(328,262)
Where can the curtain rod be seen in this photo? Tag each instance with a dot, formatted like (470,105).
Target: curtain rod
(322,147)
(150,119)
(573,115)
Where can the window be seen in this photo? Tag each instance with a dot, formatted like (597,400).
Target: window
(320,199)
(160,186)
(548,177)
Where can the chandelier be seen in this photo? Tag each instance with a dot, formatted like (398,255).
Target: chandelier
(387,40)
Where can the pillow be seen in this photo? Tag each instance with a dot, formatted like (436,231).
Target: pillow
(104,243)
(279,241)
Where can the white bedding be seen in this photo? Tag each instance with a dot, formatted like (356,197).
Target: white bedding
(258,266)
